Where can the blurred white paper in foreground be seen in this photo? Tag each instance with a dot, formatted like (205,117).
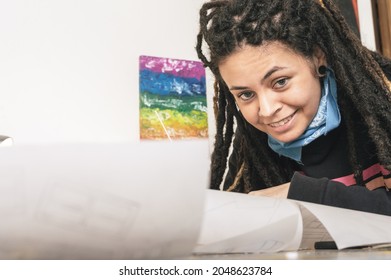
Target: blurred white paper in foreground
(102,201)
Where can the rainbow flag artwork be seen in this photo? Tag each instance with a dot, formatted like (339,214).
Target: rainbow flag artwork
(172,99)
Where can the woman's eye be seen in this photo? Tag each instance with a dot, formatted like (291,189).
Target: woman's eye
(246,95)
(281,83)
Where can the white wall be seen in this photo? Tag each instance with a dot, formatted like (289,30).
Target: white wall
(367,25)
(69,68)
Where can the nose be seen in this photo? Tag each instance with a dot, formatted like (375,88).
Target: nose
(268,104)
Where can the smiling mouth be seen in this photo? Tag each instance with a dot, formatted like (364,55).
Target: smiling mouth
(283,121)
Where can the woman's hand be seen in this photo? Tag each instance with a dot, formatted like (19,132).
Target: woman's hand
(280,191)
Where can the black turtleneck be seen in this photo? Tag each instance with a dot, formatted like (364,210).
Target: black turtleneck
(328,156)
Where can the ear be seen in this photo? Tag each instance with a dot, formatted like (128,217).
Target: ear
(319,58)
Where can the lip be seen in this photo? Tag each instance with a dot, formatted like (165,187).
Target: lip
(282,124)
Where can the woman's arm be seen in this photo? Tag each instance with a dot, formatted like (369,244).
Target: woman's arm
(325,191)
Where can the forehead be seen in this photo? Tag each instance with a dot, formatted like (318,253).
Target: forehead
(263,57)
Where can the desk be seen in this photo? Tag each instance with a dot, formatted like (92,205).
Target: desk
(348,254)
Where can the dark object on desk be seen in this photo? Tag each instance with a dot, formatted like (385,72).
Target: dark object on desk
(325,245)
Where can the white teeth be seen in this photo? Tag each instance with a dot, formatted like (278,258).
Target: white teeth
(282,122)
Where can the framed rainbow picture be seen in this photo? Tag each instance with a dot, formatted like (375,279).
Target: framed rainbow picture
(173,101)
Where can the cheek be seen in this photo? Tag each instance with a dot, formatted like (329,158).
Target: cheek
(312,100)
(306,97)
(250,113)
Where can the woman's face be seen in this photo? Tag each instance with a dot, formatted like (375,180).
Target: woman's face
(276,90)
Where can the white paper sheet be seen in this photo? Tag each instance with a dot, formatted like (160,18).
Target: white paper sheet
(237,223)
(313,229)
(240,223)
(102,201)
(350,228)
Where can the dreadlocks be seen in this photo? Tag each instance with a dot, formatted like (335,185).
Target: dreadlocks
(363,91)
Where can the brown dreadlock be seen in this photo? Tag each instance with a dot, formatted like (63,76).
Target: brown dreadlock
(303,25)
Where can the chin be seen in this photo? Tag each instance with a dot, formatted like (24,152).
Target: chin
(287,138)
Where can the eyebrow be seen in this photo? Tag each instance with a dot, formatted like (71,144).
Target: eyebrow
(237,88)
(267,75)
(271,71)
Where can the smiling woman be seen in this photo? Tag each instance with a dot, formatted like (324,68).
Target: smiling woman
(302,108)
(276,90)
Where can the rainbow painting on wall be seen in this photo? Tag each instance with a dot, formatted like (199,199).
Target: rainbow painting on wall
(172,99)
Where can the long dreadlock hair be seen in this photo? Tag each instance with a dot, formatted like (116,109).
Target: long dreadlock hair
(303,25)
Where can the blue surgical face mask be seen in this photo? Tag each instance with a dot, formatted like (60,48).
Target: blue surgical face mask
(326,119)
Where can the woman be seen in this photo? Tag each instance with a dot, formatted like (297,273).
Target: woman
(302,107)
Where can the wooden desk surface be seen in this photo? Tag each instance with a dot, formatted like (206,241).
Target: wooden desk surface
(348,254)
